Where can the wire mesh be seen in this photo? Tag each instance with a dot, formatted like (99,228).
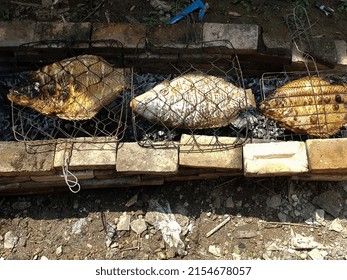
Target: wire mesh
(79,96)
(305,106)
(203,95)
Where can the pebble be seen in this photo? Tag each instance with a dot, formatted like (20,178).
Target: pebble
(316,254)
(217,203)
(124,222)
(21,205)
(77,226)
(303,256)
(138,226)
(282,217)
(161,256)
(215,250)
(59,251)
(44,258)
(336,225)
(245,231)
(331,201)
(273,201)
(318,216)
(299,241)
(10,240)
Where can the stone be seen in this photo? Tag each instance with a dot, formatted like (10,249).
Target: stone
(87,153)
(327,155)
(336,225)
(124,222)
(132,201)
(130,36)
(277,45)
(10,240)
(318,216)
(215,250)
(331,201)
(21,205)
(217,203)
(19,159)
(244,38)
(273,201)
(160,5)
(138,226)
(16,33)
(282,217)
(275,158)
(229,203)
(202,151)
(245,231)
(44,258)
(59,251)
(77,227)
(161,256)
(147,160)
(316,254)
(300,242)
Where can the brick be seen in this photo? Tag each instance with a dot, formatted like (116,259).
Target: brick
(16,33)
(205,152)
(85,174)
(133,158)
(277,158)
(175,38)
(327,155)
(341,49)
(131,36)
(87,153)
(68,31)
(18,159)
(243,37)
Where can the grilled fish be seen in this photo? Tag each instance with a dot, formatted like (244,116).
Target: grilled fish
(193,101)
(72,89)
(309,105)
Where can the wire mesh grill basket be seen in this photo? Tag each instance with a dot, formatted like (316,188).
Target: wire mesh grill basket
(79,96)
(203,95)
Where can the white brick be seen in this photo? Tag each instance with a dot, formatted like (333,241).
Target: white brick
(277,158)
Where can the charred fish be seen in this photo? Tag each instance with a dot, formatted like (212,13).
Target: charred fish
(309,105)
(72,89)
(193,101)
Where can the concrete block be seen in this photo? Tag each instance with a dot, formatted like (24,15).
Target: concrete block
(243,37)
(18,159)
(131,36)
(136,159)
(80,175)
(201,151)
(175,38)
(327,155)
(16,33)
(87,153)
(68,31)
(274,159)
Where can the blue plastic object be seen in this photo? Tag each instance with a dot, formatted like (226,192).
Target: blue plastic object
(191,8)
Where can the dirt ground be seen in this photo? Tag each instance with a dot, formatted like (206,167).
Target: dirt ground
(269,218)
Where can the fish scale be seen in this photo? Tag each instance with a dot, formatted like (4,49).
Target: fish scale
(72,89)
(309,105)
(193,101)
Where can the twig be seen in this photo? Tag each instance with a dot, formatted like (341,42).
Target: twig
(288,224)
(26,4)
(218,227)
(95,10)
(2,201)
(131,248)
